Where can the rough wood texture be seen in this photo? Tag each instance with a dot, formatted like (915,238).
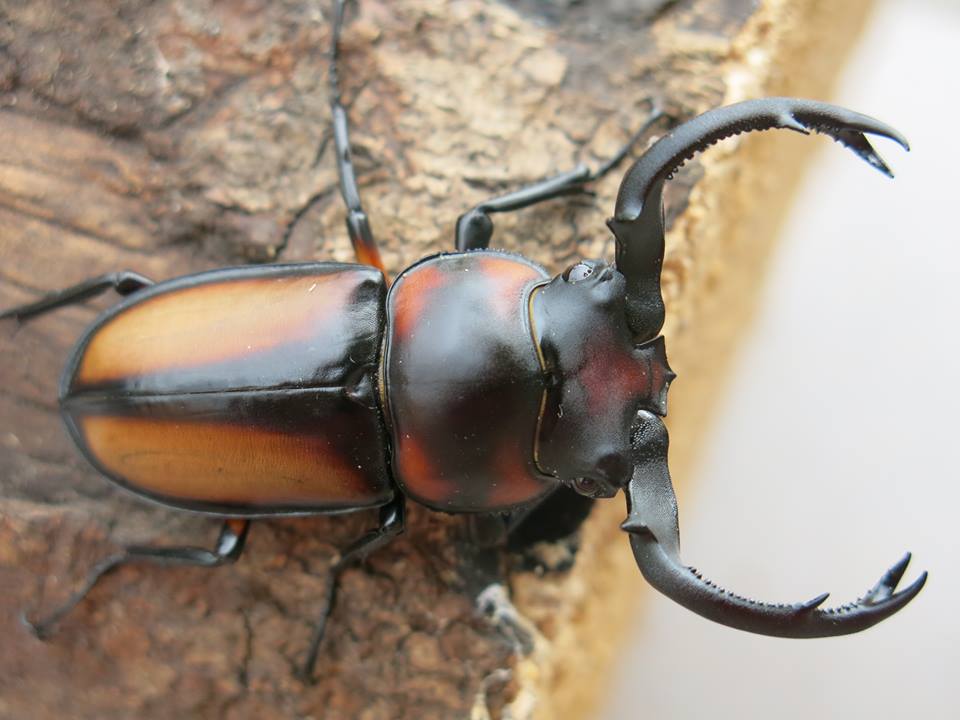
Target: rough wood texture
(175,136)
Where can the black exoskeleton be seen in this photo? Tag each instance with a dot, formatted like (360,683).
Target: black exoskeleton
(474,384)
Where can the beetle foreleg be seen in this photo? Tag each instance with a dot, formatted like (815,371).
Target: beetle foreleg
(123,282)
(475,228)
(392,523)
(358,226)
(655,539)
(229,546)
(494,602)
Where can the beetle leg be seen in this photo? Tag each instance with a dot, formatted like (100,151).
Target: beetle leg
(392,523)
(557,517)
(123,282)
(475,228)
(655,539)
(638,220)
(485,580)
(495,604)
(229,546)
(358,225)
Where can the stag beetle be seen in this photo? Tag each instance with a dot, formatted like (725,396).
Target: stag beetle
(475,384)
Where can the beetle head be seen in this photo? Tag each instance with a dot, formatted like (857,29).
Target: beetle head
(598,378)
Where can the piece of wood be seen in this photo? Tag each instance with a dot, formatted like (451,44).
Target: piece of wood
(173,137)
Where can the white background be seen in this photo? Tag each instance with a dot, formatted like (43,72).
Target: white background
(836,447)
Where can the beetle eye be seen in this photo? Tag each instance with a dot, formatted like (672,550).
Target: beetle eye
(585,486)
(578,272)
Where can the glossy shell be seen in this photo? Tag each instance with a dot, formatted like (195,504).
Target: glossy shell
(601,378)
(463,382)
(247,391)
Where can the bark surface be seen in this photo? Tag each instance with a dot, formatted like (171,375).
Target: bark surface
(176,136)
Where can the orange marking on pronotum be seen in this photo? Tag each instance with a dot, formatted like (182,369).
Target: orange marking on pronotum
(412,295)
(418,473)
(516,482)
(213,322)
(507,278)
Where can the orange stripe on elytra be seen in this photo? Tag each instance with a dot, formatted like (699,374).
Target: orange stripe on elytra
(223,463)
(213,322)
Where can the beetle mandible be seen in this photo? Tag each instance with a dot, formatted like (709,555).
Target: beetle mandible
(475,384)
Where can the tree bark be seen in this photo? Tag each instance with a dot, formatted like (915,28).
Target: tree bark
(177,136)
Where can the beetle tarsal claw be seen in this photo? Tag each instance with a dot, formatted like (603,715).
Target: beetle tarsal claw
(655,540)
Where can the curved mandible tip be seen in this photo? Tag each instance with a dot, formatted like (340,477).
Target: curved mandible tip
(655,540)
(638,218)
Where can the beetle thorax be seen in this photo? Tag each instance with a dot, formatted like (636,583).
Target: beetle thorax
(463,384)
